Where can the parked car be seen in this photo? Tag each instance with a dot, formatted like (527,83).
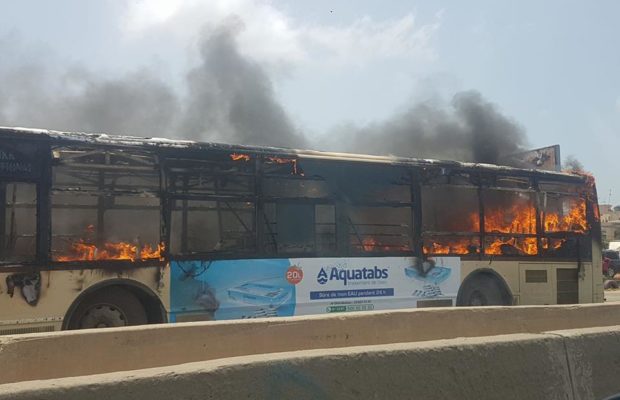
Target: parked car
(611,263)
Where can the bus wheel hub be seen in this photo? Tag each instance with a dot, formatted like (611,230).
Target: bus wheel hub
(103,316)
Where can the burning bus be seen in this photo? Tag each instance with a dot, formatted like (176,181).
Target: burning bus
(100,230)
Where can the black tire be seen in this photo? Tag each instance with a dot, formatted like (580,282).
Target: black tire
(483,290)
(107,308)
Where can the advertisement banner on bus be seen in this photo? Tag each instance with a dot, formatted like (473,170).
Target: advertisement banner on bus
(237,289)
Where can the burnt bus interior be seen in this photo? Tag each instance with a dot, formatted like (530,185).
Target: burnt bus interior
(135,200)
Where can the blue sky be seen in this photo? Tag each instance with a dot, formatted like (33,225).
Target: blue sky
(552,66)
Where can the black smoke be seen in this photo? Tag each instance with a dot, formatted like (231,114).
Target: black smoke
(469,128)
(230,98)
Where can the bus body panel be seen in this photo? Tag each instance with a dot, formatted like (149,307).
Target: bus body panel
(60,288)
(232,289)
(552,282)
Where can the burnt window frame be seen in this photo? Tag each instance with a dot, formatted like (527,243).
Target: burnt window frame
(489,182)
(35,150)
(128,160)
(291,167)
(485,180)
(43,181)
(37,256)
(345,201)
(173,163)
(444,177)
(584,239)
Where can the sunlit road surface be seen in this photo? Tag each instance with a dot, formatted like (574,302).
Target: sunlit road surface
(612,295)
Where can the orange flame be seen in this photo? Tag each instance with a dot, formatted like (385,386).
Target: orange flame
(517,219)
(574,221)
(452,246)
(527,245)
(370,244)
(239,156)
(82,251)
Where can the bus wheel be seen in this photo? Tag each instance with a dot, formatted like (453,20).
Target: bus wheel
(483,290)
(108,307)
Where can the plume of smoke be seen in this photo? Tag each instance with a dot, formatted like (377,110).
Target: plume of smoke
(138,103)
(572,164)
(469,129)
(231,98)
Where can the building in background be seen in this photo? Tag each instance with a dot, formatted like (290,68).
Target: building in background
(610,223)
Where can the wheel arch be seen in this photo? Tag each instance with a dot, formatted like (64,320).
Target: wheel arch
(154,308)
(475,274)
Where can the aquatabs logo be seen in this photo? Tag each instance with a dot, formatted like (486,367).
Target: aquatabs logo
(346,275)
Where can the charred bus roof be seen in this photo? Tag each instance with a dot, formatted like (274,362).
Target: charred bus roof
(174,146)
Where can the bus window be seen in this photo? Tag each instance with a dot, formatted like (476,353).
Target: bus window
(291,227)
(104,212)
(377,207)
(516,182)
(509,222)
(450,220)
(298,214)
(203,226)
(366,185)
(379,229)
(563,213)
(19,226)
(212,177)
(565,225)
(213,208)
(294,187)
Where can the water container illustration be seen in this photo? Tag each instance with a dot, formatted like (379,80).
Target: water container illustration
(265,293)
(435,276)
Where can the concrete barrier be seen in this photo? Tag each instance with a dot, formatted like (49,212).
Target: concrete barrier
(522,366)
(76,353)
(594,360)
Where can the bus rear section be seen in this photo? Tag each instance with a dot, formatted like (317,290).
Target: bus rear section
(534,238)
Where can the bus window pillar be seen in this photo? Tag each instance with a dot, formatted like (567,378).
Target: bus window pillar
(342,228)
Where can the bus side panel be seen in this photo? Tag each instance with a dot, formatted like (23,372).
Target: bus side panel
(57,292)
(553,282)
(236,289)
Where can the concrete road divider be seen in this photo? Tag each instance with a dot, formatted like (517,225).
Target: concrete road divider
(521,366)
(594,359)
(77,353)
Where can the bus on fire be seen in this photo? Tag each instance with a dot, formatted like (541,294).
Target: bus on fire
(100,230)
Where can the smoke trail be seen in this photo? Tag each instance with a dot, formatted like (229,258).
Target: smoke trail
(469,129)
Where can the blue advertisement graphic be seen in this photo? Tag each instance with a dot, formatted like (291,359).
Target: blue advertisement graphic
(239,289)
(231,289)
(436,275)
